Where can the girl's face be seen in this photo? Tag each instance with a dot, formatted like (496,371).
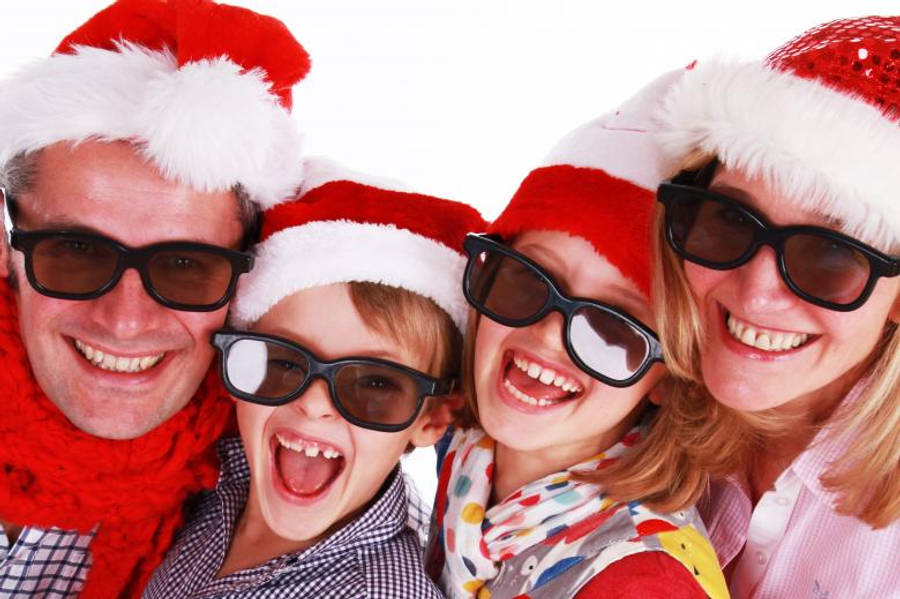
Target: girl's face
(738,305)
(576,409)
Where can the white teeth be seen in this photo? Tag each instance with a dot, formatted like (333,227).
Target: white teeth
(546,376)
(308,448)
(523,397)
(764,340)
(116,363)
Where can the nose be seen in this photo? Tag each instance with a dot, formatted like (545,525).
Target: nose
(548,331)
(315,403)
(760,286)
(127,310)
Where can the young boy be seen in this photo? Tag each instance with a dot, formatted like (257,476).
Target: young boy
(349,344)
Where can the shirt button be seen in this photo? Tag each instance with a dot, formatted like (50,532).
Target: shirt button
(761,558)
(782,501)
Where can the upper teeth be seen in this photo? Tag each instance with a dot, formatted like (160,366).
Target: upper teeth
(763,339)
(114,363)
(310,448)
(546,375)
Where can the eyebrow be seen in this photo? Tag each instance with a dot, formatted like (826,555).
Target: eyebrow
(299,340)
(747,198)
(629,296)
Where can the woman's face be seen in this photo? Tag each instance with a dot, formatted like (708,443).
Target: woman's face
(530,394)
(738,306)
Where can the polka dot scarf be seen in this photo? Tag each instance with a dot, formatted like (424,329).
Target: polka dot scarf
(477,540)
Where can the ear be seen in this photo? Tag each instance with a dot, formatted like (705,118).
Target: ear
(894,315)
(4,245)
(433,423)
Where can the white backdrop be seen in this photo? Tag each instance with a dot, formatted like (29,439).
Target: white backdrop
(462,98)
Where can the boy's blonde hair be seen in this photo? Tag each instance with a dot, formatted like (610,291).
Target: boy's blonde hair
(695,437)
(412,320)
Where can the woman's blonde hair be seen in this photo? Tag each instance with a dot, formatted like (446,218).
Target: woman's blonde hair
(695,437)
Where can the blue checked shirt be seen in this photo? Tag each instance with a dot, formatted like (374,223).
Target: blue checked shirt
(375,555)
(44,562)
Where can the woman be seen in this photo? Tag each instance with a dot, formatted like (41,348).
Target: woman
(778,259)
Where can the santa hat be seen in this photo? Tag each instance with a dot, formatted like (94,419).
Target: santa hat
(349,227)
(817,119)
(202,89)
(598,183)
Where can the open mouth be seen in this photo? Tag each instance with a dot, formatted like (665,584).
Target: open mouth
(115,363)
(765,339)
(306,468)
(535,384)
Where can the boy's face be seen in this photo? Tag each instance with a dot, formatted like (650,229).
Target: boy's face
(303,495)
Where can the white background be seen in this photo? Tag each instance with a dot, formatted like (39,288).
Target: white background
(461,99)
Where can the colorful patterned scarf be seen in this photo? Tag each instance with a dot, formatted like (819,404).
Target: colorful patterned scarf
(477,540)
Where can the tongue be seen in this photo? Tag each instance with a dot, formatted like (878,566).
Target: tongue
(303,475)
(534,387)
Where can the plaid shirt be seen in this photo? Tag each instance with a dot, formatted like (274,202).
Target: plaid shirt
(375,555)
(44,562)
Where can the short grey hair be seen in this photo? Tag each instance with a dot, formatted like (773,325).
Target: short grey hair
(19,174)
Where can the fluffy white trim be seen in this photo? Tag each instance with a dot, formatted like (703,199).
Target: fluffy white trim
(319,170)
(209,124)
(326,252)
(822,148)
(621,142)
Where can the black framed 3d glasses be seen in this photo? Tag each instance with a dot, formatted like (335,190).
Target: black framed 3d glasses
(368,392)
(821,266)
(604,341)
(73,265)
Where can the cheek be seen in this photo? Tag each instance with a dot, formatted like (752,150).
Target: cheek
(702,280)
(379,451)
(488,342)
(201,325)
(251,419)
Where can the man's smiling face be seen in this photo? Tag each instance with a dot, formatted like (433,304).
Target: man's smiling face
(107,188)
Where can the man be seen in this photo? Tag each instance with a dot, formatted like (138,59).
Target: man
(133,162)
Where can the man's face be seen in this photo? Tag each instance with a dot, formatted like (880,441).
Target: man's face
(107,188)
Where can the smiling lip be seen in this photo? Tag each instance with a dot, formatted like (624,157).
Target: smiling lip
(280,488)
(753,353)
(506,395)
(110,377)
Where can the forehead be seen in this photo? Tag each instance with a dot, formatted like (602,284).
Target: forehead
(768,201)
(109,188)
(325,320)
(579,269)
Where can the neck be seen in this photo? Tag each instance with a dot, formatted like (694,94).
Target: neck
(514,468)
(253,543)
(805,416)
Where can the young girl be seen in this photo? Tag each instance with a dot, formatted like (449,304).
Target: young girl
(779,267)
(558,376)
(348,349)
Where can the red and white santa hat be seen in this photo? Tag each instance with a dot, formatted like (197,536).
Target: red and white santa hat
(202,89)
(350,227)
(599,184)
(818,119)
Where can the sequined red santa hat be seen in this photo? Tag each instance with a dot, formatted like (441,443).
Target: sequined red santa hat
(818,119)
(598,183)
(202,89)
(345,227)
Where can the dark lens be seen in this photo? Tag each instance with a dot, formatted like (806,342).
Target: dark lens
(266,370)
(192,277)
(826,268)
(710,230)
(72,264)
(607,343)
(505,286)
(377,394)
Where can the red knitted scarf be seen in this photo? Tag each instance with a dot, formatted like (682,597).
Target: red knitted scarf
(52,474)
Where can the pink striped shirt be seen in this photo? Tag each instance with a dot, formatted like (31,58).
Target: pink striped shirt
(794,543)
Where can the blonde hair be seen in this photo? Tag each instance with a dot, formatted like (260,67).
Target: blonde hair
(695,437)
(412,320)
